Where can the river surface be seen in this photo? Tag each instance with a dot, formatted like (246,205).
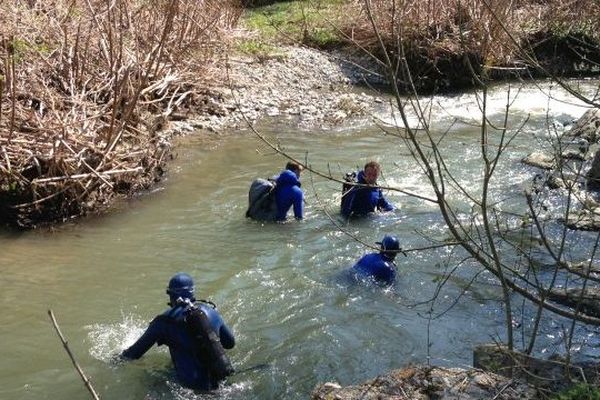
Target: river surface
(282,288)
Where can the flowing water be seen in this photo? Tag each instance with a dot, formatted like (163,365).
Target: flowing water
(283,288)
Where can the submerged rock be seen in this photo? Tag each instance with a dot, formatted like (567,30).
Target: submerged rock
(540,160)
(424,383)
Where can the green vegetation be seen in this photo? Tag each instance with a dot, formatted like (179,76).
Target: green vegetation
(257,48)
(581,391)
(309,22)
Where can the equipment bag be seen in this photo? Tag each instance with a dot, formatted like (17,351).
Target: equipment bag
(261,200)
(349,179)
(208,345)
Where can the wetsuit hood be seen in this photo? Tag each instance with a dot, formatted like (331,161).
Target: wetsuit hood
(288,178)
(181,285)
(360,177)
(390,245)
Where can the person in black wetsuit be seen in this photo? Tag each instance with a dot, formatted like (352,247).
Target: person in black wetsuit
(170,328)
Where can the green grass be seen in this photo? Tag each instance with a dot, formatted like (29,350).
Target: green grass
(308,22)
(257,48)
(580,391)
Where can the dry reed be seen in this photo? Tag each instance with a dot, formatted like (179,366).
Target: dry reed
(84,87)
(463,26)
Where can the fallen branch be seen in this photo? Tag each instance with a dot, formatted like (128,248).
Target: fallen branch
(85,379)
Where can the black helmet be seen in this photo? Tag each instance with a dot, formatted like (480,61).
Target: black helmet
(181,285)
(389,246)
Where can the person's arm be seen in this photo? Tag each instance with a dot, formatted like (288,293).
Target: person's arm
(143,344)
(298,203)
(218,325)
(383,204)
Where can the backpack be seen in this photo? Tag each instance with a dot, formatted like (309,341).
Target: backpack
(262,205)
(349,179)
(208,345)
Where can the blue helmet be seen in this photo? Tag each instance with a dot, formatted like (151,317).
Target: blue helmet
(389,246)
(181,285)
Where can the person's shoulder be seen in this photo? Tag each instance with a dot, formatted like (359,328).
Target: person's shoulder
(208,309)
(370,258)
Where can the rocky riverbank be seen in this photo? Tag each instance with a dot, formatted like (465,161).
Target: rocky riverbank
(309,88)
(497,373)
(427,383)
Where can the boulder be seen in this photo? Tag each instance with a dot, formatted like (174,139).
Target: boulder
(588,126)
(584,220)
(540,160)
(553,375)
(570,297)
(593,175)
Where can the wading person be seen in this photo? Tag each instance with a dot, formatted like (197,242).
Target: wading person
(288,192)
(271,199)
(380,267)
(362,200)
(195,334)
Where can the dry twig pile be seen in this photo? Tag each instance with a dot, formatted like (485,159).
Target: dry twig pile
(85,85)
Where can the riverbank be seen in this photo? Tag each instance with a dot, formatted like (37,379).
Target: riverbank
(117,139)
(309,88)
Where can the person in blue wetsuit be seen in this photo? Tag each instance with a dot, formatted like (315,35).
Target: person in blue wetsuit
(171,329)
(288,192)
(380,266)
(362,200)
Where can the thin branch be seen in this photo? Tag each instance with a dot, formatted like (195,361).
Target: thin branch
(86,381)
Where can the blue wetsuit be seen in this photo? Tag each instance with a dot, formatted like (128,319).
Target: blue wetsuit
(361,200)
(376,266)
(170,328)
(288,193)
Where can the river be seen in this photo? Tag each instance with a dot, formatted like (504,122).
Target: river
(282,288)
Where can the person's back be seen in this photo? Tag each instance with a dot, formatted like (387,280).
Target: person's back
(172,329)
(288,193)
(380,266)
(374,266)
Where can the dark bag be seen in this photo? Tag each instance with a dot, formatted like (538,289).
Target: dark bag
(208,345)
(261,200)
(349,179)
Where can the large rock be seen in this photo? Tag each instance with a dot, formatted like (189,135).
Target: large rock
(553,374)
(428,383)
(589,301)
(588,126)
(584,220)
(593,175)
(540,160)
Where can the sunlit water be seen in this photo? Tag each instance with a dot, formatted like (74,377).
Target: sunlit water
(281,287)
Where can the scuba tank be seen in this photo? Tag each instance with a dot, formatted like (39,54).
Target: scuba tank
(261,200)
(208,343)
(349,179)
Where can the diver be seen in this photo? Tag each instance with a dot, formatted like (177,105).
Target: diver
(288,192)
(271,199)
(380,267)
(362,200)
(195,334)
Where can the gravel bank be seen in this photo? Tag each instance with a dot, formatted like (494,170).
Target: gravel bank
(307,87)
